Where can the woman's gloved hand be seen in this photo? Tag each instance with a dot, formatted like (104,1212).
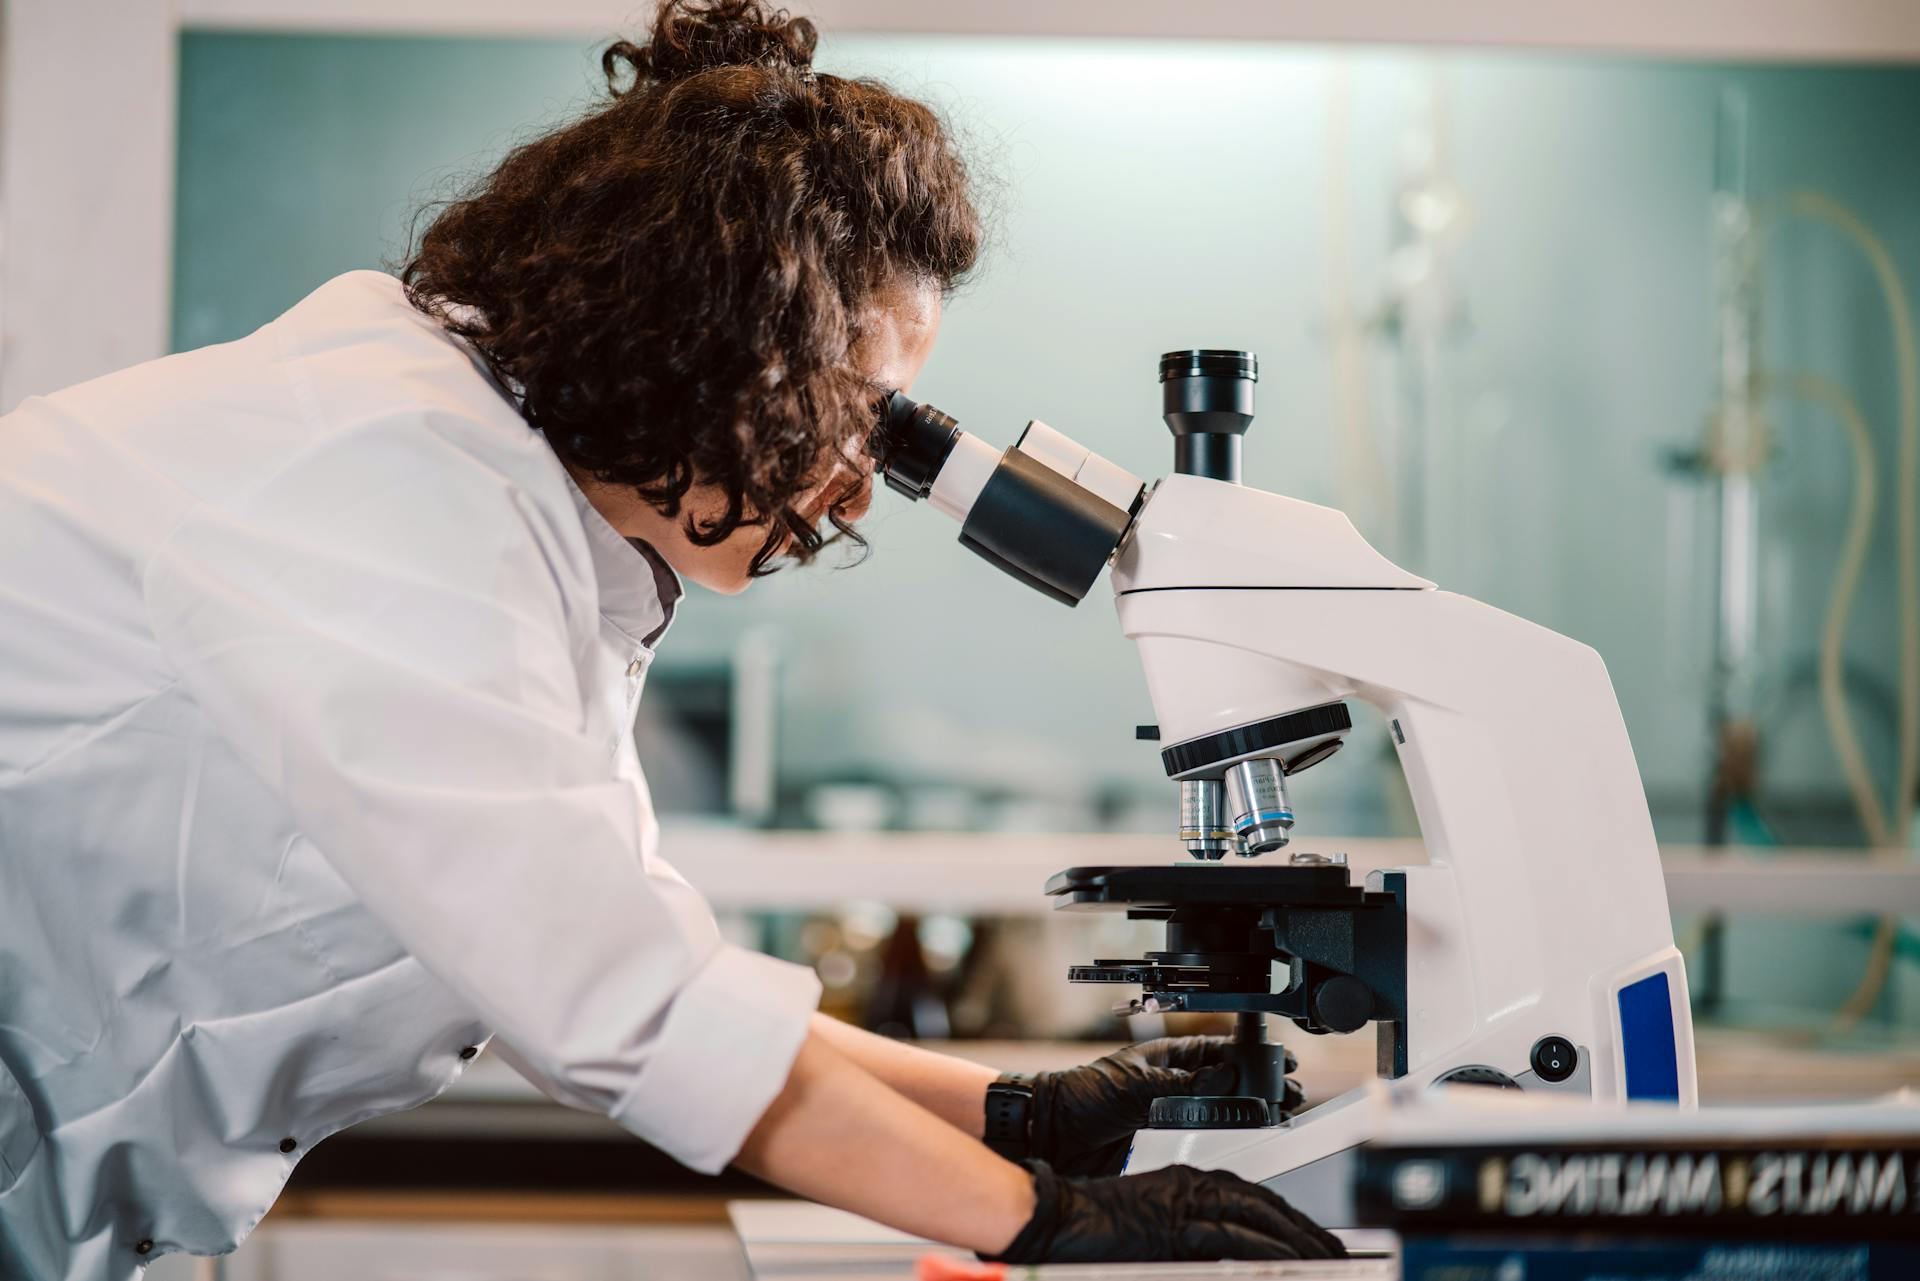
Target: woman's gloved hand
(1175,1213)
(1084,1117)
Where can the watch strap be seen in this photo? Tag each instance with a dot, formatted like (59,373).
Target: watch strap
(1009,1119)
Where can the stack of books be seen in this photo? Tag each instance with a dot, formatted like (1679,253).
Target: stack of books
(1646,1193)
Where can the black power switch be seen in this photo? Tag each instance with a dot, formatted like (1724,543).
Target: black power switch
(1554,1058)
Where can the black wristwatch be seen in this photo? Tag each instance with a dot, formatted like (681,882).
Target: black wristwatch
(1009,1128)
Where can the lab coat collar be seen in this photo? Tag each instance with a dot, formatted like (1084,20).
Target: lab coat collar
(639,592)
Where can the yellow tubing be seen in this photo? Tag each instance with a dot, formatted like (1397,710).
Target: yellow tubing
(1880,832)
(1829,395)
(1846,739)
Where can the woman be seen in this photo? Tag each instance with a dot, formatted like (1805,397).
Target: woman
(320,652)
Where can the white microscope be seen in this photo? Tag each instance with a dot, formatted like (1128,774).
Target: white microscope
(1533,950)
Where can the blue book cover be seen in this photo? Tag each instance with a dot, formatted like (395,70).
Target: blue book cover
(1837,1188)
(1479,1258)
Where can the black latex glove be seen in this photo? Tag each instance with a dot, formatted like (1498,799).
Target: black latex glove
(1084,1117)
(1175,1213)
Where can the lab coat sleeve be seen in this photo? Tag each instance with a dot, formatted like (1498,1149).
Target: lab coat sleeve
(391,630)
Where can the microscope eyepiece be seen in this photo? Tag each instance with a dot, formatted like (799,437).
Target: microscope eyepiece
(1049,511)
(1206,397)
(1210,362)
(911,442)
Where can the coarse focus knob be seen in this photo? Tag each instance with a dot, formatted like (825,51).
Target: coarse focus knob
(1476,1074)
(1204,1112)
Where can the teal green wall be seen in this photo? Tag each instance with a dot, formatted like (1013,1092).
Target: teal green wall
(1150,197)
(302,157)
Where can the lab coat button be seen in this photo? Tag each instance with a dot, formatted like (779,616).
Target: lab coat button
(633,669)
(469,1052)
(288,1145)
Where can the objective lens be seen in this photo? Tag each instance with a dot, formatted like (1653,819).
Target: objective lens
(1203,818)
(1257,801)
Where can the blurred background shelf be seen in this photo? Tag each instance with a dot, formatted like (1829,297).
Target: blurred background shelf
(1003,873)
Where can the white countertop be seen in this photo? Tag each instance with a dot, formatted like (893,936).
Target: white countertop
(1005,873)
(800,1241)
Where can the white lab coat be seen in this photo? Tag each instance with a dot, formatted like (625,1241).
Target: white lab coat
(317,676)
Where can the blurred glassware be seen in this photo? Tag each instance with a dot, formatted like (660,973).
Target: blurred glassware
(851,807)
(908,1000)
(939,808)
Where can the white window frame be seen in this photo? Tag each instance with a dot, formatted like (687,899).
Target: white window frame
(88,93)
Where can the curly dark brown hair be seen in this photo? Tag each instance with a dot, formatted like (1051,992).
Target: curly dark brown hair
(673,283)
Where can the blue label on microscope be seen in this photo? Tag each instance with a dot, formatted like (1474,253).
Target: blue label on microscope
(1646,1039)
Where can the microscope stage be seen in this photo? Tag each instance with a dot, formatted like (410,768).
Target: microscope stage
(1161,889)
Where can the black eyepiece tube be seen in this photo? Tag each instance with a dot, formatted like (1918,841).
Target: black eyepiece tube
(1036,524)
(911,443)
(1206,453)
(1206,396)
(1043,529)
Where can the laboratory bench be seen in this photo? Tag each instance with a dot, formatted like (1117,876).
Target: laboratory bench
(492,1182)
(760,1241)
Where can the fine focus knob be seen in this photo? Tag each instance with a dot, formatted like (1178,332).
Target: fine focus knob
(1201,1112)
(1343,1003)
